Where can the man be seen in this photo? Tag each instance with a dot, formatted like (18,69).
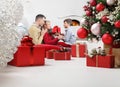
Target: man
(69,36)
(36,32)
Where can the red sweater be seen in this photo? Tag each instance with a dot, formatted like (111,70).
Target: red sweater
(49,39)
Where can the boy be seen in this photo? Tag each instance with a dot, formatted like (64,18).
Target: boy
(69,36)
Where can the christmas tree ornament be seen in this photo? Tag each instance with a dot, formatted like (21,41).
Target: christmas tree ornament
(88,13)
(93,8)
(104,19)
(93,2)
(100,7)
(83,22)
(95,29)
(82,33)
(93,12)
(107,39)
(110,2)
(86,8)
(107,13)
(117,24)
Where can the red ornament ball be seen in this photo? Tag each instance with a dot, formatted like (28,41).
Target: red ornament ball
(82,33)
(93,2)
(88,13)
(107,39)
(104,19)
(100,7)
(117,24)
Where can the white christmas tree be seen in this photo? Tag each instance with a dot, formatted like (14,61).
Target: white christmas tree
(11,12)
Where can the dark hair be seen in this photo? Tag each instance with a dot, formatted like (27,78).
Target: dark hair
(69,21)
(39,16)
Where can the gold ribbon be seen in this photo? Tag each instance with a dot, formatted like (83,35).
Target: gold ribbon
(77,50)
(65,55)
(96,60)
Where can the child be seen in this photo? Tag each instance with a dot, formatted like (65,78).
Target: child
(69,36)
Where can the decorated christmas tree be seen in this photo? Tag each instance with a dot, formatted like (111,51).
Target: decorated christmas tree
(101,21)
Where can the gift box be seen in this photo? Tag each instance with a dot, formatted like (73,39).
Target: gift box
(91,61)
(62,55)
(100,61)
(29,56)
(106,61)
(49,54)
(78,50)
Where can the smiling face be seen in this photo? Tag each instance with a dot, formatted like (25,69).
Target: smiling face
(41,21)
(47,25)
(66,25)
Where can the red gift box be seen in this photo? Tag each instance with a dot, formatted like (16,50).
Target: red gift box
(29,56)
(78,50)
(100,61)
(91,61)
(62,55)
(49,54)
(106,61)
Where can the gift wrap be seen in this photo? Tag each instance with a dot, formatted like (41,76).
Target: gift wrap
(29,56)
(62,55)
(100,61)
(78,50)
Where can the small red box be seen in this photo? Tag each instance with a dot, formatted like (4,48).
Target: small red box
(49,54)
(62,55)
(106,61)
(91,61)
(100,61)
(78,50)
(29,56)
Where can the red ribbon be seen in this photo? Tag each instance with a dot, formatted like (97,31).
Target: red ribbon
(26,41)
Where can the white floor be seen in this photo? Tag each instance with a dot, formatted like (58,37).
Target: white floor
(72,73)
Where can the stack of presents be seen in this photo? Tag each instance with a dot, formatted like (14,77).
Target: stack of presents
(29,54)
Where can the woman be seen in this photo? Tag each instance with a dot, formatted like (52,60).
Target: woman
(50,37)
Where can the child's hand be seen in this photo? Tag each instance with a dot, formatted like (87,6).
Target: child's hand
(60,37)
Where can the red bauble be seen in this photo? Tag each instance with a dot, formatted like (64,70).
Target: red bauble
(100,7)
(82,33)
(93,2)
(104,19)
(107,39)
(88,13)
(117,24)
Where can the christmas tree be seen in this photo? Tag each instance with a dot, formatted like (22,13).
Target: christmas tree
(101,21)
